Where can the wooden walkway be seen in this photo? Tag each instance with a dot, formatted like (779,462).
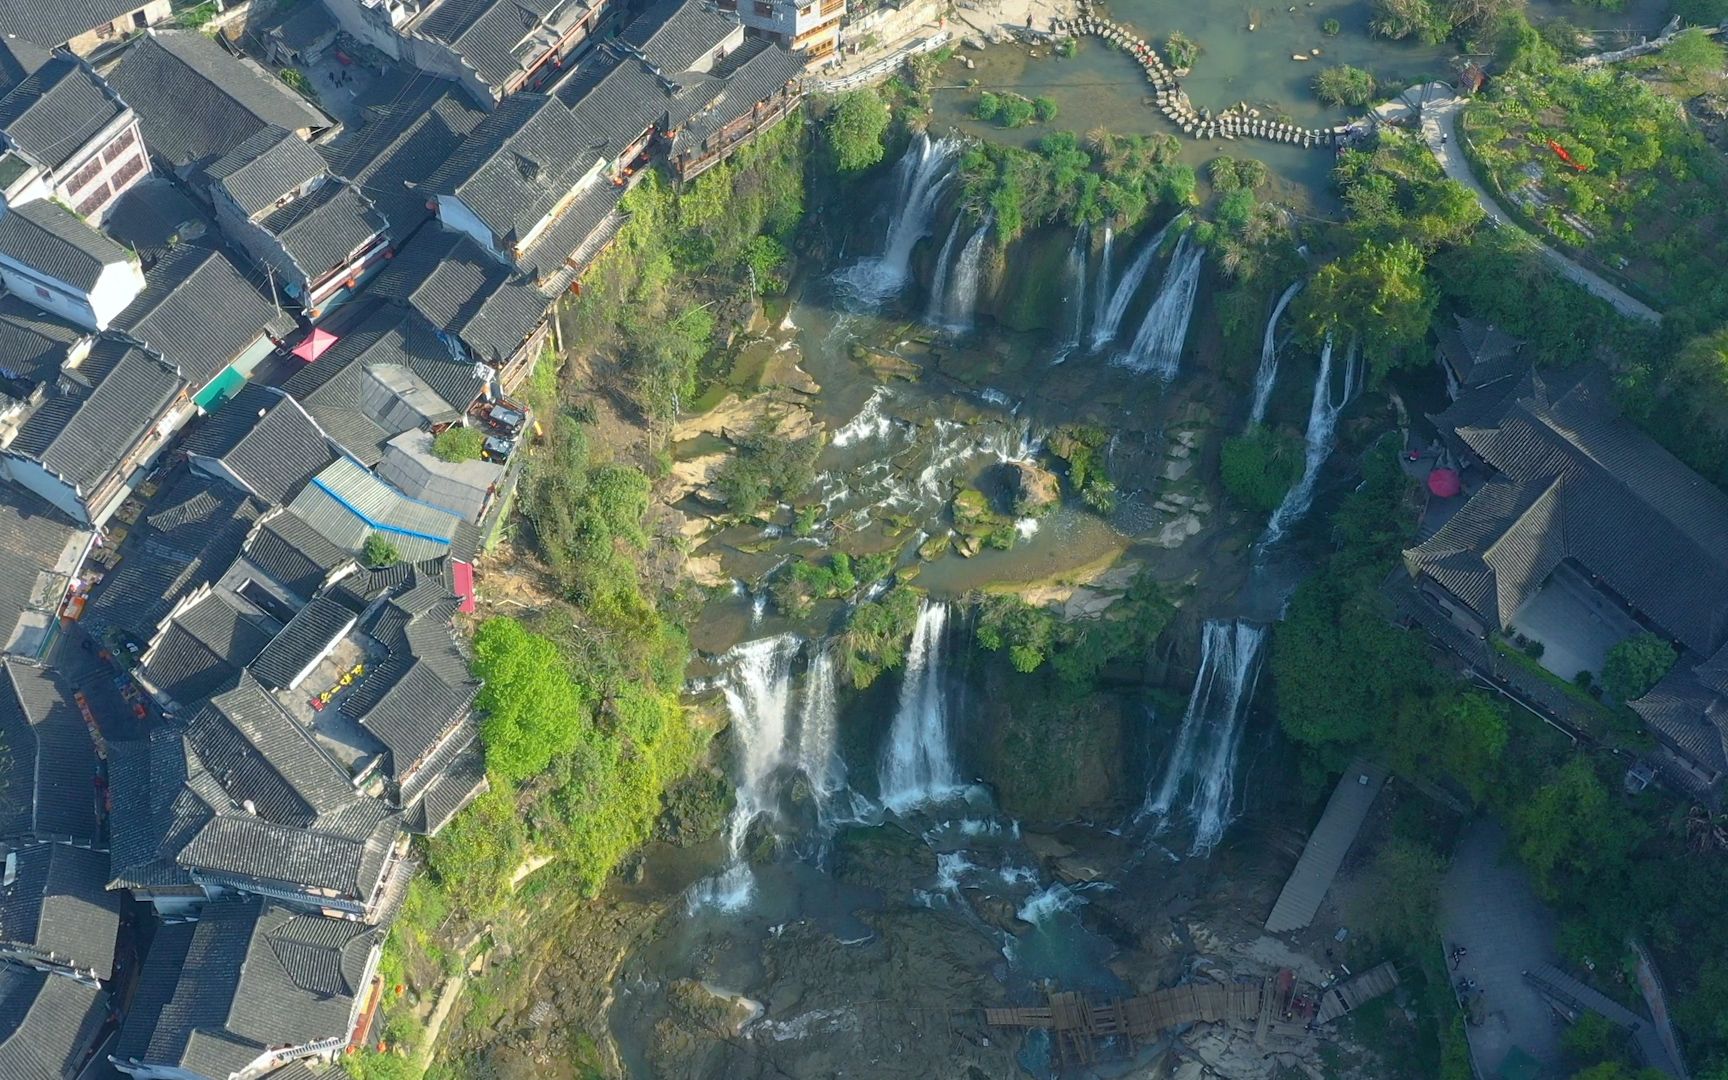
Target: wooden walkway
(1327,846)
(1076,1025)
(1564,989)
(1354,993)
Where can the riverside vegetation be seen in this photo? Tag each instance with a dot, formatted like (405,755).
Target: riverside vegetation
(588,744)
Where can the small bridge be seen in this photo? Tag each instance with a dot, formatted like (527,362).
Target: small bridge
(1274,1004)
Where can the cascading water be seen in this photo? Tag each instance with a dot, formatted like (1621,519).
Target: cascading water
(1323,415)
(1109,321)
(1074,273)
(818,731)
(1101,291)
(924,173)
(936,311)
(1203,762)
(1157,346)
(758,693)
(918,765)
(962,298)
(1268,372)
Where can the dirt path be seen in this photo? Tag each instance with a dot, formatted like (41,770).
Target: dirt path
(1439,122)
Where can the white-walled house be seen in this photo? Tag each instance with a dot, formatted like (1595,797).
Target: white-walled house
(67,133)
(56,262)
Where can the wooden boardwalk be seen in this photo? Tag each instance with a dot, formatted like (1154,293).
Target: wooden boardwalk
(1327,846)
(1076,1025)
(1353,993)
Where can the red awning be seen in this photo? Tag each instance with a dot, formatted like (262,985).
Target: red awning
(463,575)
(314,345)
(1444,483)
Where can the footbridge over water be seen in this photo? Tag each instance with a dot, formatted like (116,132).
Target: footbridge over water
(1273,1005)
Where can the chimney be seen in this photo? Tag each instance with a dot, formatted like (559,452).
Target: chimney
(11,869)
(249,807)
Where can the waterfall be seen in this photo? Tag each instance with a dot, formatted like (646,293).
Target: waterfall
(1322,424)
(1101,290)
(962,298)
(1268,373)
(1203,761)
(818,730)
(1110,318)
(1158,345)
(937,307)
(923,173)
(1075,274)
(918,765)
(758,691)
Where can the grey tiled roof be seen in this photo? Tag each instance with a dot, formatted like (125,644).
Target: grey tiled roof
(293,554)
(58,910)
(205,645)
(33,344)
(181,806)
(587,216)
(49,25)
(756,71)
(445,276)
(312,630)
(322,229)
(674,34)
(200,311)
(519,162)
(450,780)
(48,776)
(349,389)
(82,436)
(248,976)
(264,757)
(53,112)
(497,38)
(48,1024)
(614,101)
(33,538)
(1579,482)
(266,439)
(265,166)
(196,102)
(401,145)
(189,538)
(50,240)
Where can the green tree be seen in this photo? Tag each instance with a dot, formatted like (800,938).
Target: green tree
(1045,108)
(533,709)
(1572,834)
(1592,1039)
(1702,12)
(1378,295)
(473,857)
(1344,85)
(989,106)
(1404,881)
(1398,19)
(766,465)
(1636,664)
(1016,111)
(877,633)
(458,444)
(1258,467)
(1025,631)
(855,128)
(378,552)
(1462,733)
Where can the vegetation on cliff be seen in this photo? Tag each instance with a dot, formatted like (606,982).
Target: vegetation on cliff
(1069,181)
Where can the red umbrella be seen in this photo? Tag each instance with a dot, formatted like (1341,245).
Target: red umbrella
(314,344)
(1444,483)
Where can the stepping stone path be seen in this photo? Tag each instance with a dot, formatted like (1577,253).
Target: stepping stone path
(1238,121)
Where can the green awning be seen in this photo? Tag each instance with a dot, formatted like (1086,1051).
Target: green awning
(220,389)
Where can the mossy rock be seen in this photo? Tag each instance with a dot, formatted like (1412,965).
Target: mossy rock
(884,857)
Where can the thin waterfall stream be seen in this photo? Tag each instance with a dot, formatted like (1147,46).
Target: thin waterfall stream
(1267,374)
(1157,347)
(923,174)
(1323,414)
(918,765)
(1109,322)
(1198,781)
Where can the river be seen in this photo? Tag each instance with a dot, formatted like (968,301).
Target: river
(872,888)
